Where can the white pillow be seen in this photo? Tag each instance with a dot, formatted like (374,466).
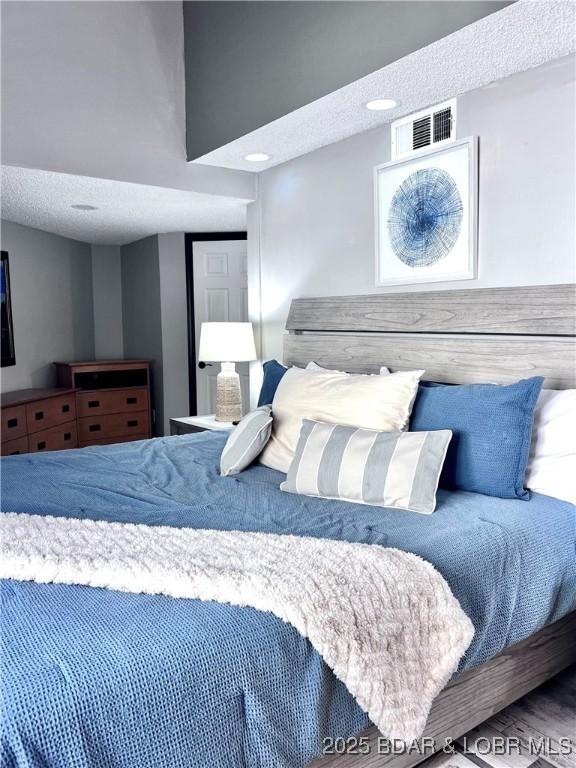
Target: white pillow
(385,469)
(246,441)
(552,465)
(312,366)
(370,402)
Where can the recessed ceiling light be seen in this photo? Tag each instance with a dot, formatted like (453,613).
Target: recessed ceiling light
(82,207)
(379,105)
(257,157)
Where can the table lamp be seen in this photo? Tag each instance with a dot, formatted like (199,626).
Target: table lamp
(227,343)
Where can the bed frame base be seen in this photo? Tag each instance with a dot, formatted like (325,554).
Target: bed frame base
(459,336)
(476,695)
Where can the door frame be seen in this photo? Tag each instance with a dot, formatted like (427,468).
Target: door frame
(189,239)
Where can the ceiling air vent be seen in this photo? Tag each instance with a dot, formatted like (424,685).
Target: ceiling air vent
(420,130)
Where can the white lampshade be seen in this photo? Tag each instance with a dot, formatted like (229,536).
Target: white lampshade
(226,342)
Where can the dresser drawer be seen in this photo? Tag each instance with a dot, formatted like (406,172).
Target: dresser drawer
(55,439)
(14,422)
(113,425)
(97,402)
(14,447)
(110,440)
(44,414)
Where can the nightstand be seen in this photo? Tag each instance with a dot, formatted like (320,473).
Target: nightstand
(184,425)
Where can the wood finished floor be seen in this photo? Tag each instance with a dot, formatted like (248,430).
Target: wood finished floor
(546,715)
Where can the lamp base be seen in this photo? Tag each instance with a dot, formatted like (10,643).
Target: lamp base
(228,394)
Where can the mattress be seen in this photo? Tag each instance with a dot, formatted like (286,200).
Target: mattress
(98,678)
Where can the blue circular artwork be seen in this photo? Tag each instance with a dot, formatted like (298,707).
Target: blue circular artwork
(425,217)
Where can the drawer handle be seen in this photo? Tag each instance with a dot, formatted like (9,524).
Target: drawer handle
(133,423)
(41,445)
(12,423)
(93,403)
(67,435)
(65,408)
(94,428)
(131,400)
(39,415)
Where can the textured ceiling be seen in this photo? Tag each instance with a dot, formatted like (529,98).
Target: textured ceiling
(523,35)
(126,212)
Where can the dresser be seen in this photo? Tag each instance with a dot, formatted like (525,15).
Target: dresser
(112,399)
(38,420)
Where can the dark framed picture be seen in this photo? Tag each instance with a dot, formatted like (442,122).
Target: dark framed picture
(7,350)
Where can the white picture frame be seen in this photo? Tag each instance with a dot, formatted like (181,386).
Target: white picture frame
(459,159)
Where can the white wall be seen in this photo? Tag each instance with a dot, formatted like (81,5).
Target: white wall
(52,310)
(107,291)
(312,230)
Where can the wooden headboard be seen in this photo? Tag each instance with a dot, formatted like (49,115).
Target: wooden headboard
(463,336)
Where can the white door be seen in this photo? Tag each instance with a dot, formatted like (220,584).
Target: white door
(220,294)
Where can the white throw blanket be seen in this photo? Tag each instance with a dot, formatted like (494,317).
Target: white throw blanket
(385,621)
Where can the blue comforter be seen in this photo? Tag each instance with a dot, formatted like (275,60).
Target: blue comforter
(99,678)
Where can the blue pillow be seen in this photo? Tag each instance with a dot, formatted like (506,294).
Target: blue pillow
(273,372)
(492,430)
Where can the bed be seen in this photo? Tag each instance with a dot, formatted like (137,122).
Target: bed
(95,677)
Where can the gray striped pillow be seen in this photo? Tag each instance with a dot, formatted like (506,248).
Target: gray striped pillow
(385,469)
(246,441)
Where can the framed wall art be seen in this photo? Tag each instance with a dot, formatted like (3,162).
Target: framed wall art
(7,352)
(426,216)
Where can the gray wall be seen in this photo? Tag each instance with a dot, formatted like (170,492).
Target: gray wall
(73,301)
(250,63)
(312,231)
(142,323)
(155,315)
(51,282)
(174,311)
(107,291)
(97,89)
